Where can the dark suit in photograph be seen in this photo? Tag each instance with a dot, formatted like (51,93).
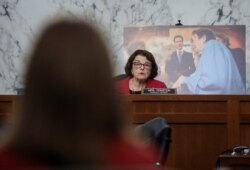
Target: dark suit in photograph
(240,60)
(175,68)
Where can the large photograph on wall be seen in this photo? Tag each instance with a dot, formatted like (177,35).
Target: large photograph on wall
(194,59)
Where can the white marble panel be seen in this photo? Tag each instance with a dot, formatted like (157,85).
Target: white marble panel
(22,20)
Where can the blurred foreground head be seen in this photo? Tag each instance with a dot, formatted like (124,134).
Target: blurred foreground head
(69,105)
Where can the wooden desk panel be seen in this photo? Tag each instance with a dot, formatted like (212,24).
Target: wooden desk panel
(237,162)
(245,135)
(8,104)
(196,146)
(203,126)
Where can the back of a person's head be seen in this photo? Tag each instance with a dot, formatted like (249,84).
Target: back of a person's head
(69,99)
(224,39)
(208,33)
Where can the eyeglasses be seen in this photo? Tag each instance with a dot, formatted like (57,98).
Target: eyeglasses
(140,65)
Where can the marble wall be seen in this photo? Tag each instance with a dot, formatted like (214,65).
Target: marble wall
(21,21)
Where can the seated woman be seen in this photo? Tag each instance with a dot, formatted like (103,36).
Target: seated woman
(141,70)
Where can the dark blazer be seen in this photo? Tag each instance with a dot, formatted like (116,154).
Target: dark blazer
(240,60)
(174,69)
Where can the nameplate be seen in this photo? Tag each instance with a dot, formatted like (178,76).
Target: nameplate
(159,91)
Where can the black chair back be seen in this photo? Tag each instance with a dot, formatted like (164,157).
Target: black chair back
(158,132)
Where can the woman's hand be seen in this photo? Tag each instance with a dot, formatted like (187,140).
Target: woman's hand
(179,82)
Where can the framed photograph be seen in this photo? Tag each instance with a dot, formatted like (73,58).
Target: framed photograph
(164,41)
